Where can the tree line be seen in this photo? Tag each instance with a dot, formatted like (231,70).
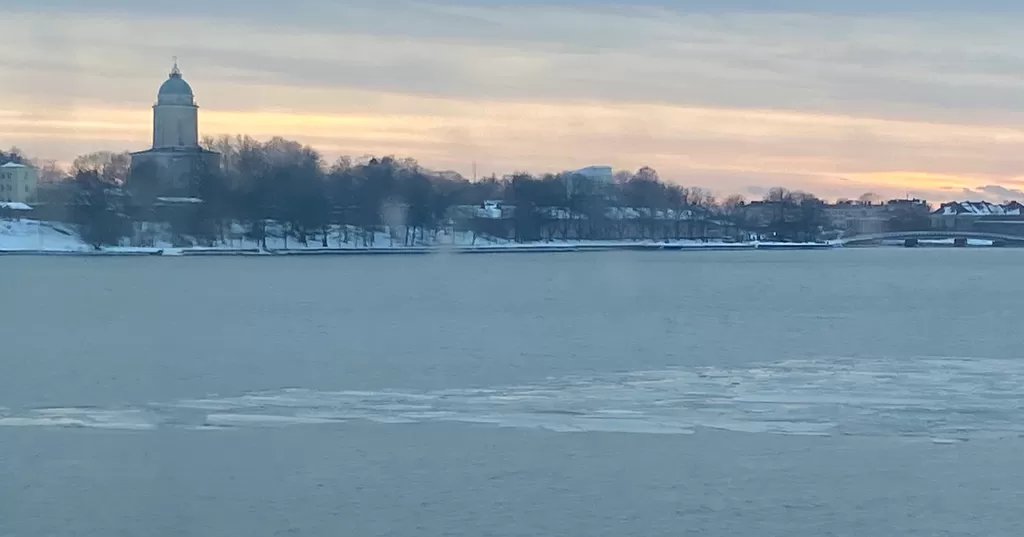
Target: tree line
(289,185)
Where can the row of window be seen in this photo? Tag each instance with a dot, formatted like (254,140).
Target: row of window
(10,188)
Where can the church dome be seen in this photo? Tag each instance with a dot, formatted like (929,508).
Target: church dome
(175,90)
(175,85)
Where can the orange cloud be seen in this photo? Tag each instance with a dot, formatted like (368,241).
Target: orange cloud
(722,101)
(920,180)
(537,136)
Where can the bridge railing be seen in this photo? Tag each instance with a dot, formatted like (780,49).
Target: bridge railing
(936,234)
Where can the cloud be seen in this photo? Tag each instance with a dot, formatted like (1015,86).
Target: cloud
(1002,192)
(884,66)
(902,94)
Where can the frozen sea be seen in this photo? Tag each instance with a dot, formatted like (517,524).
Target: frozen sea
(848,392)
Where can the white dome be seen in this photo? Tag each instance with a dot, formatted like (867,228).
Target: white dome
(175,90)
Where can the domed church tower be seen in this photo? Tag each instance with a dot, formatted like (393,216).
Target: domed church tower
(176,162)
(175,114)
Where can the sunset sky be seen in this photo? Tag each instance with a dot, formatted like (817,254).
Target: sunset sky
(895,97)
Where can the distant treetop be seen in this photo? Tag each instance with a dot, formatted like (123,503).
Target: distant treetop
(12,155)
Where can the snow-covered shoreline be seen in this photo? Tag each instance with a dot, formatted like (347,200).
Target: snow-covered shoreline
(552,247)
(30,237)
(38,238)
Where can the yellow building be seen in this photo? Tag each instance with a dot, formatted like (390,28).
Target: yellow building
(18,183)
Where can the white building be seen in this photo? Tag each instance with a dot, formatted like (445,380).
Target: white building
(18,183)
(176,156)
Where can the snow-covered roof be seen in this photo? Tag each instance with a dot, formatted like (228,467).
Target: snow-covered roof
(980,208)
(179,200)
(492,211)
(635,213)
(13,165)
(621,213)
(489,211)
(14,206)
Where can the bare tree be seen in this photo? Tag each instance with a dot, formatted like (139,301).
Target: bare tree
(14,155)
(111,167)
(732,204)
(283,186)
(50,172)
(700,197)
(870,198)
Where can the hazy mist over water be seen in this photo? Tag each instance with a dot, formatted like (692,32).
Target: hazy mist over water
(846,392)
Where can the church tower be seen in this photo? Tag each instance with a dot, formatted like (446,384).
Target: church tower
(175,114)
(175,165)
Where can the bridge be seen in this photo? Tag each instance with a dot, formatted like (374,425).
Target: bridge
(1015,240)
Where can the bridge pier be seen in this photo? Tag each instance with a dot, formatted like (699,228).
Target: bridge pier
(960,242)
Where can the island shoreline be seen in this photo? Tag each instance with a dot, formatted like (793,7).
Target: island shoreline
(422,250)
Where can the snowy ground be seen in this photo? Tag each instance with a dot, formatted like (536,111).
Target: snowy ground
(29,236)
(35,236)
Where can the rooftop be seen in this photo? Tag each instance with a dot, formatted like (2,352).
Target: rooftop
(980,208)
(178,200)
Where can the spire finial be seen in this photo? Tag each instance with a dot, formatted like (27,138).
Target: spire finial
(174,70)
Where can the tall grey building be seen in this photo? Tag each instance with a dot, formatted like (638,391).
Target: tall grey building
(176,159)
